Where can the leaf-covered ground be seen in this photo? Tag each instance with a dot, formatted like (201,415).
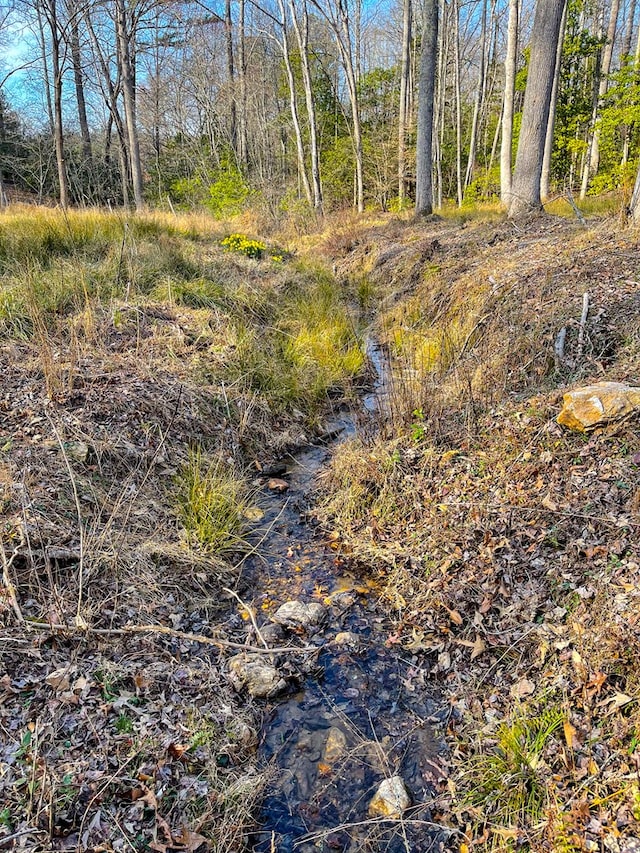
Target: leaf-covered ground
(511,544)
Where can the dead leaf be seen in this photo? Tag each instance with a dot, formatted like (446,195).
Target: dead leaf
(478,647)
(549,503)
(521,688)
(569,733)
(455,617)
(58,679)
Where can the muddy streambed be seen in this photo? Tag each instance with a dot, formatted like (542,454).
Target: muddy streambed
(362,710)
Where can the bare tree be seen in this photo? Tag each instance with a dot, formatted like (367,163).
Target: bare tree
(125,34)
(426,92)
(301,30)
(508,103)
(525,189)
(403,108)
(592,160)
(551,121)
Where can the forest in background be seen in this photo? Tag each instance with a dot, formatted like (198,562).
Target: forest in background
(295,106)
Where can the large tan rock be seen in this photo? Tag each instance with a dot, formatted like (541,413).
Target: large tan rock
(596,405)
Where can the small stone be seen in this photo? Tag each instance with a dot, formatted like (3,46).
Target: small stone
(78,451)
(390,800)
(297,614)
(346,638)
(335,746)
(252,672)
(630,845)
(277,485)
(58,679)
(272,633)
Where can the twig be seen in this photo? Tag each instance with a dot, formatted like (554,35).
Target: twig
(251,615)
(575,208)
(79,620)
(171,632)
(583,323)
(15,835)
(6,580)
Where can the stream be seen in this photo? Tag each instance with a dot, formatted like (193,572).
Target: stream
(363,710)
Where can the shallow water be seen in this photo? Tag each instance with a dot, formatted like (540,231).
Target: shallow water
(368,699)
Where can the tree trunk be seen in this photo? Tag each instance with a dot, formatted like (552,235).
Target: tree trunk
(593,160)
(78,77)
(293,104)
(404,96)
(45,70)
(458,97)
(128,95)
(243,144)
(548,143)
(426,92)
(302,36)
(479,98)
(625,52)
(525,188)
(509,97)
(51,15)
(233,116)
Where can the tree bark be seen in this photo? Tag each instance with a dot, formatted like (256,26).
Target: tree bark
(293,103)
(525,189)
(78,77)
(479,98)
(426,92)
(233,116)
(592,161)
(545,180)
(302,36)
(128,94)
(508,101)
(403,110)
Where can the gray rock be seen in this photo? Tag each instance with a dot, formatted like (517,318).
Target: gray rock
(297,614)
(390,800)
(256,675)
(346,638)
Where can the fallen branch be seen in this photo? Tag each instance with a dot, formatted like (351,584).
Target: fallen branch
(171,632)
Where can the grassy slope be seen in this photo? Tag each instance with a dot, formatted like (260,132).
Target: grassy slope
(146,373)
(510,546)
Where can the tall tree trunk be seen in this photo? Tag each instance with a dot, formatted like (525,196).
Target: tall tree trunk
(426,93)
(458,97)
(233,115)
(45,70)
(403,110)
(593,160)
(479,98)
(128,94)
(628,32)
(548,143)
(243,142)
(508,101)
(525,188)
(302,36)
(51,15)
(78,77)
(293,103)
